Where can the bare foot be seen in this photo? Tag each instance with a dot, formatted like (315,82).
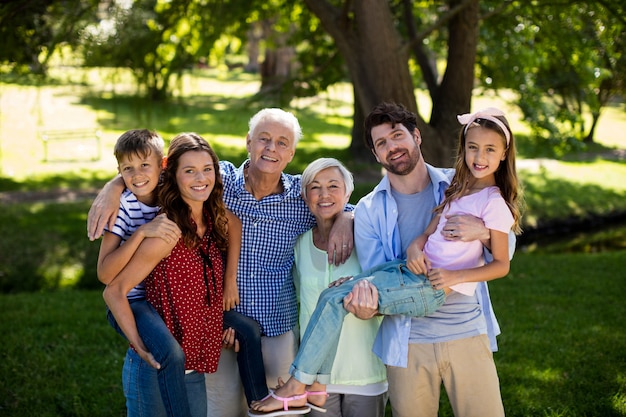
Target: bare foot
(290,395)
(316,394)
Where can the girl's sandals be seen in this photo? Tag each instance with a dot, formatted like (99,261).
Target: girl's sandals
(286,409)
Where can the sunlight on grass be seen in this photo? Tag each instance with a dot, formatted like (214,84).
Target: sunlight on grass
(59,269)
(545,375)
(619,399)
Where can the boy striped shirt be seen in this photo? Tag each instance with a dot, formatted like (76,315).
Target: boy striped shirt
(132,214)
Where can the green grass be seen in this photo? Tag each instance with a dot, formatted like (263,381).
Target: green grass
(59,356)
(561,349)
(562,344)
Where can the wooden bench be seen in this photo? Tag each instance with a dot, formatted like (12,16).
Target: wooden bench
(81,144)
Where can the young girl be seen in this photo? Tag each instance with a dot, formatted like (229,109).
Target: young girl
(184,278)
(485,185)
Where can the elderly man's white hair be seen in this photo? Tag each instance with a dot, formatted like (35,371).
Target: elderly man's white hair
(277,115)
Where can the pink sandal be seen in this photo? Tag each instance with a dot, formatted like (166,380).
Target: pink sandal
(313,406)
(286,409)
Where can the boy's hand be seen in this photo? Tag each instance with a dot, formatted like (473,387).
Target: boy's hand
(163,228)
(147,356)
(229,341)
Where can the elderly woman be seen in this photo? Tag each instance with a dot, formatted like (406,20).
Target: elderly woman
(358,383)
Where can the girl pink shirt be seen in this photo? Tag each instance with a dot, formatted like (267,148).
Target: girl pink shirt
(486,204)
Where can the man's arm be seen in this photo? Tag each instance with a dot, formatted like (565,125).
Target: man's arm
(341,239)
(103,210)
(443,278)
(468,228)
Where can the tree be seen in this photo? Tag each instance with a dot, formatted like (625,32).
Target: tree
(32,30)
(565,59)
(159,39)
(375,45)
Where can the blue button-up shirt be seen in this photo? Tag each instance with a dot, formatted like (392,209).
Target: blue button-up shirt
(377,240)
(270,229)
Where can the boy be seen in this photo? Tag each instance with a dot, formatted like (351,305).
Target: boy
(139,155)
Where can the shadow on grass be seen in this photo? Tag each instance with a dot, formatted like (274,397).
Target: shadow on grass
(215,115)
(46,248)
(557,205)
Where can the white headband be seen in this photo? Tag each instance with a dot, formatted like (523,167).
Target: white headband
(490,114)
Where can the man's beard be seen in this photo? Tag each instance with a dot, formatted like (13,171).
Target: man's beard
(404,168)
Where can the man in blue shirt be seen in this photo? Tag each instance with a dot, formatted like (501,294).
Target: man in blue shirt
(454,345)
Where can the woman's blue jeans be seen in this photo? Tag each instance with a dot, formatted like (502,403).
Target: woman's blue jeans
(249,357)
(170,379)
(399,292)
(141,389)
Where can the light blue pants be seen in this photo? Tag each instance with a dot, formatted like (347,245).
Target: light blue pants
(166,350)
(399,292)
(141,389)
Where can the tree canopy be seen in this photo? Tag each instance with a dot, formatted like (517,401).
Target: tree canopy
(563,59)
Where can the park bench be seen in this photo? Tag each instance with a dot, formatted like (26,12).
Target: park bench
(79,144)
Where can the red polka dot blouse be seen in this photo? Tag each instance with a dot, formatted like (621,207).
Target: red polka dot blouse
(186,289)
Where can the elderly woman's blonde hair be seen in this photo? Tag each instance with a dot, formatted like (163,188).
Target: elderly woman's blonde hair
(321,164)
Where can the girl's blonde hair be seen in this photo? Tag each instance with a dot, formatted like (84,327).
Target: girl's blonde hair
(505,175)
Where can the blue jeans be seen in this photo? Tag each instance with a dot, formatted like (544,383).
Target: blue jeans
(249,357)
(141,389)
(170,379)
(399,292)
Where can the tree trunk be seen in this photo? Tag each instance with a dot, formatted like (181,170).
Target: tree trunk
(454,95)
(276,68)
(373,52)
(358,149)
(378,64)
(592,131)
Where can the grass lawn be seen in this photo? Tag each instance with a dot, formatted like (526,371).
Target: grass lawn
(562,348)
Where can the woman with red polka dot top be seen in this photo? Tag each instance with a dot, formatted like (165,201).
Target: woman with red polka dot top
(184,279)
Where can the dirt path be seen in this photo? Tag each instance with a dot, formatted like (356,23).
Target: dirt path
(52,196)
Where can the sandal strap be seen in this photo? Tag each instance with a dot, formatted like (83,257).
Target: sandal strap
(316,393)
(287,400)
